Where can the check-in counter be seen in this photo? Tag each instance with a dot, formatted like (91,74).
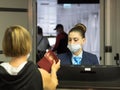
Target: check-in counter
(89,78)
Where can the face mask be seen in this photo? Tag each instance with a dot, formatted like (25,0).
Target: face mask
(74,47)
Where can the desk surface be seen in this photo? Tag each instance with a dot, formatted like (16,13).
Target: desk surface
(89,85)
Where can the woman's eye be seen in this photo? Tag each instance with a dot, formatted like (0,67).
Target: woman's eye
(69,39)
(75,39)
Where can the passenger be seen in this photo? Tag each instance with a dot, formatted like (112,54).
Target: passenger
(42,44)
(19,73)
(61,40)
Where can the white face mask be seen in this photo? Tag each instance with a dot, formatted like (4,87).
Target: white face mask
(74,47)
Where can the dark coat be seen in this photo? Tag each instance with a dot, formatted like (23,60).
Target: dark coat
(29,78)
(87,59)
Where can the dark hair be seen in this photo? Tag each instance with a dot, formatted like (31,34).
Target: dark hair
(59,26)
(39,30)
(79,29)
(81,26)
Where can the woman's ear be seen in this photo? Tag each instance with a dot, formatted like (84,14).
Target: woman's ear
(84,40)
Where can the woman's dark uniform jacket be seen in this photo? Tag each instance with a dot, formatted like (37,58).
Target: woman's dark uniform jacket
(29,78)
(87,59)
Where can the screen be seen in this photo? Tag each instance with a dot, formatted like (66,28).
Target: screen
(52,40)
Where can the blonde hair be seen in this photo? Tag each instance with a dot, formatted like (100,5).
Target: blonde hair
(16,41)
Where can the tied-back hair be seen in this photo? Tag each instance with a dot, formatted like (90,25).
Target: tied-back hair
(16,41)
(81,28)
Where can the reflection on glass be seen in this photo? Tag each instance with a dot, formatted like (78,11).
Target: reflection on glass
(49,13)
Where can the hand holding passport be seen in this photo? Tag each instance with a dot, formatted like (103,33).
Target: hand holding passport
(47,60)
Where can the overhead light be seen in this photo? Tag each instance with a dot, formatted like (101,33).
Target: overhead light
(67,5)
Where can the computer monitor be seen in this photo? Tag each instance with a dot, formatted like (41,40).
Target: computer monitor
(52,40)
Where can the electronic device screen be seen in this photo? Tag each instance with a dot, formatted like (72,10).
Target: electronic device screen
(52,40)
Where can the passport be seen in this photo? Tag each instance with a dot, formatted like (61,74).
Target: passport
(47,60)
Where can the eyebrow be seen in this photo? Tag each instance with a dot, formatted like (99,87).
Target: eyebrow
(75,38)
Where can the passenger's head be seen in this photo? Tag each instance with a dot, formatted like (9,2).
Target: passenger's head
(59,28)
(40,31)
(76,37)
(16,41)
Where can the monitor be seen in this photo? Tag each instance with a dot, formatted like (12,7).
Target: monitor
(52,41)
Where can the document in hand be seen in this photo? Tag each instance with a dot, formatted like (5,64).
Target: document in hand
(47,61)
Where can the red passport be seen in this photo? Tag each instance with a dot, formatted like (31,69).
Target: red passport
(47,60)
